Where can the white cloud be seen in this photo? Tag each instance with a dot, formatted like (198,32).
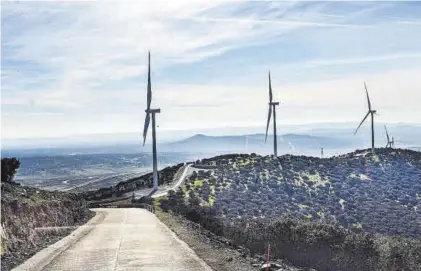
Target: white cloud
(81,66)
(395,95)
(347,61)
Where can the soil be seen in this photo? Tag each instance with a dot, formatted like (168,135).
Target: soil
(219,253)
(25,210)
(10,260)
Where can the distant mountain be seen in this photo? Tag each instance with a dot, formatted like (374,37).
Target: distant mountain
(406,135)
(291,143)
(335,138)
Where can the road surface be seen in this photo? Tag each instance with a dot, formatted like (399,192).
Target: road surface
(128,239)
(163,189)
(186,172)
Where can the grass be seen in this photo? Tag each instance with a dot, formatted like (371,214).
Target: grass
(184,188)
(245,162)
(157,202)
(315,178)
(212,195)
(198,183)
(302,206)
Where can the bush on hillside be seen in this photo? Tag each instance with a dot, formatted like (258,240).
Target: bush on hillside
(9,166)
(324,245)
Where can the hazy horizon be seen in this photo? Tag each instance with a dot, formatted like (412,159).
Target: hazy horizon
(133,138)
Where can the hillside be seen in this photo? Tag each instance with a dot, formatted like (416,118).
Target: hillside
(118,191)
(350,212)
(361,192)
(32,219)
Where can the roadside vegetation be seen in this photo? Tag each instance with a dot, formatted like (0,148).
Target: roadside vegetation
(115,193)
(32,219)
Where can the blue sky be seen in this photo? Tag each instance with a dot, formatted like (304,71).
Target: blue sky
(79,67)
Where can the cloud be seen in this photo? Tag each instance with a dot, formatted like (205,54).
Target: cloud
(79,67)
(349,61)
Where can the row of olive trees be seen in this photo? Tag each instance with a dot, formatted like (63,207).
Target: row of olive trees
(323,245)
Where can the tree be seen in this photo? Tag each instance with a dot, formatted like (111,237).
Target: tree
(9,167)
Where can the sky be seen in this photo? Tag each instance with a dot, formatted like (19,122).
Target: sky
(75,68)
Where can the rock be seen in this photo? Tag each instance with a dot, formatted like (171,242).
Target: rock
(272,267)
(230,259)
(276,265)
(255,264)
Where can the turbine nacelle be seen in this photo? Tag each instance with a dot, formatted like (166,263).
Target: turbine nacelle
(150,110)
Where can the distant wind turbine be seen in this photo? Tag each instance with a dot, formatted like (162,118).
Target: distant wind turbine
(272,104)
(389,143)
(370,112)
(150,112)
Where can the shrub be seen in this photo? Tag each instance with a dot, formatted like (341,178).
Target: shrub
(9,166)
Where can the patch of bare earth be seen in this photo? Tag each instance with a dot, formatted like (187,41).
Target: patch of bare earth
(219,253)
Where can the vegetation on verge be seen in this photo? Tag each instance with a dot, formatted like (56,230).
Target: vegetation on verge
(32,219)
(165,176)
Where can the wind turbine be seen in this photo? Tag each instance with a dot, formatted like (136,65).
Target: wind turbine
(149,111)
(389,143)
(370,112)
(272,105)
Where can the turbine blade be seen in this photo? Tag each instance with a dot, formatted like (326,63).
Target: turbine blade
(362,122)
(267,126)
(149,90)
(368,98)
(270,89)
(388,139)
(145,127)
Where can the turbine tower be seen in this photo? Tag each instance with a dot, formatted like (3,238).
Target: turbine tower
(272,106)
(370,112)
(149,111)
(389,143)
